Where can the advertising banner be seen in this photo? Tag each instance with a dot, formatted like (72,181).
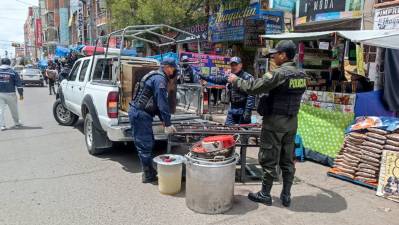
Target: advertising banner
(208,64)
(64,28)
(38,33)
(388,184)
(386,18)
(324,10)
(228,25)
(200,30)
(285,5)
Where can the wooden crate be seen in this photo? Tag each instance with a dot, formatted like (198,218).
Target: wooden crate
(129,75)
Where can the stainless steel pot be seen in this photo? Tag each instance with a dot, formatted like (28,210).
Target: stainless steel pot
(210,185)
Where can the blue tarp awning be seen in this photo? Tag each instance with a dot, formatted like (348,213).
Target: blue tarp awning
(62,51)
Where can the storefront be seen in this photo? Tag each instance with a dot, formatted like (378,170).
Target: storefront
(333,101)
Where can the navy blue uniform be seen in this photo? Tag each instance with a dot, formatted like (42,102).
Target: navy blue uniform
(9,79)
(141,117)
(241,104)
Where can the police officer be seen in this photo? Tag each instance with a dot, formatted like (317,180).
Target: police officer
(9,80)
(187,76)
(279,109)
(150,99)
(241,104)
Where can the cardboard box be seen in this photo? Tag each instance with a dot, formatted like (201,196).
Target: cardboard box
(129,76)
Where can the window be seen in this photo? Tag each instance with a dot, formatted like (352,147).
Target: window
(98,71)
(83,71)
(75,70)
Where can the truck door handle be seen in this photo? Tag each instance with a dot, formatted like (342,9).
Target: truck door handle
(72,87)
(80,88)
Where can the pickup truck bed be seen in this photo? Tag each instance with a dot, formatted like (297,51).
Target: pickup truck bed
(93,92)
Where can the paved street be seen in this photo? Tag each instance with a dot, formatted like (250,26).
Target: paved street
(47,177)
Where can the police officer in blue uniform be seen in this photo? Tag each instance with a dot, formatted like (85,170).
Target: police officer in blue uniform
(187,75)
(241,104)
(151,99)
(9,82)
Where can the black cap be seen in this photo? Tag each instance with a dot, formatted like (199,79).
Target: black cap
(5,61)
(286,46)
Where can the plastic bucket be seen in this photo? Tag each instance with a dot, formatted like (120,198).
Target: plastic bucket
(169,173)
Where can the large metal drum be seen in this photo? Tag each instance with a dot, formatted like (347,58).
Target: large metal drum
(210,184)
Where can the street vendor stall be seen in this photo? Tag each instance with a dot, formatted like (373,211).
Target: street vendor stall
(334,62)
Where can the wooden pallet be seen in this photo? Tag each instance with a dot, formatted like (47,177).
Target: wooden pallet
(370,186)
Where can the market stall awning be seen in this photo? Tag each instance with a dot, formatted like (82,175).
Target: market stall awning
(378,38)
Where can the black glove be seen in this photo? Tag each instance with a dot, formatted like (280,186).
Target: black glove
(247,117)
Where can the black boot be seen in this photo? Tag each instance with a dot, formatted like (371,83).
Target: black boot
(149,175)
(285,196)
(262,196)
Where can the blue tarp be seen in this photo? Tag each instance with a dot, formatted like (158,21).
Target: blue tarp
(371,104)
(43,64)
(129,52)
(165,55)
(62,51)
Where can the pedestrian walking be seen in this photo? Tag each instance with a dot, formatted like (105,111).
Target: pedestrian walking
(151,99)
(241,103)
(9,82)
(51,74)
(279,109)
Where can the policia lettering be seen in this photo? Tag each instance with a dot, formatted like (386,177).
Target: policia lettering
(298,83)
(284,99)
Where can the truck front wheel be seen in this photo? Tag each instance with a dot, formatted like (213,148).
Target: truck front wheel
(93,137)
(62,115)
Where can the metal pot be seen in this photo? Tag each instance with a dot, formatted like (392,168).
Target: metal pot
(210,185)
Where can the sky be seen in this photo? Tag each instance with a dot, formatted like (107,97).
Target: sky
(13,14)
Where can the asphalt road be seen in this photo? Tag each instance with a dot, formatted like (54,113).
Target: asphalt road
(47,177)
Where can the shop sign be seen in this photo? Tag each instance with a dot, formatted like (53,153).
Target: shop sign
(64,29)
(80,24)
(269,22)
(38,33)
(200,30)
(324,10)
(208,64)
(386,18)
(228,25)
(254,28)
(285,5)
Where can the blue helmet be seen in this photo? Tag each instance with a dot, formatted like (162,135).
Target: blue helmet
(169,62)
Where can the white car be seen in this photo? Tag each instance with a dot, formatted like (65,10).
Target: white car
(32,76)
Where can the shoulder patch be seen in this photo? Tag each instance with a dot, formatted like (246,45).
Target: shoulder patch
(268,75)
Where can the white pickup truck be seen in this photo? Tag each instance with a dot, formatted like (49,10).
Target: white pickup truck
(92,91)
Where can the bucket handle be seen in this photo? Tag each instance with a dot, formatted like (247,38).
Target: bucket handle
(219,157)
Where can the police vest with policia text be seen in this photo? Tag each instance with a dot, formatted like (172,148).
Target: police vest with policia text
(286,98)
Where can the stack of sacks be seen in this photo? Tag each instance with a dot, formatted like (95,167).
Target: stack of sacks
(347,161)
(369,166)
(392,143)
